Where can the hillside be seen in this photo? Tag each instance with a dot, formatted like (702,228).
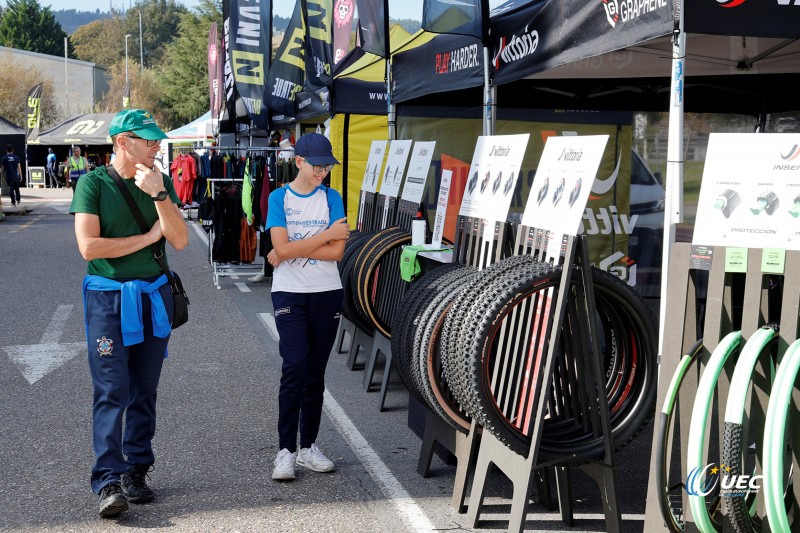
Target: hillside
(71,19)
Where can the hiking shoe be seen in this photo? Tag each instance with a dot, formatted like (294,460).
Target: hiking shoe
(112,501)
(313,458)
(284,465)
(135,484)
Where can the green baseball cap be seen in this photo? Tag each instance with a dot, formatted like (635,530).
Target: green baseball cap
(136,121)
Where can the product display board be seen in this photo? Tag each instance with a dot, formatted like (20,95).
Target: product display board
(750,193)
(374,162)
(418,168)
(563,181)
(441,209)
(395,167)
(369,186)
(493,175)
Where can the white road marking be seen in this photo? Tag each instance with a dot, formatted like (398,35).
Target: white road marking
(413,515)
(269,322)
(200,232)
(242,286)
(37,360)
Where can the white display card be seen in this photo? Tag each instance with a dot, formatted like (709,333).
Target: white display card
(564,178)
(750,193)
(417,174)
(493,175)
(441,208)
(395,167)
(374,163)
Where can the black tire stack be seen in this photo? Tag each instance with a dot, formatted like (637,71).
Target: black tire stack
(454,325)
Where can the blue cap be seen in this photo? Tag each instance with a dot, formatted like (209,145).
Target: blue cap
(316,149)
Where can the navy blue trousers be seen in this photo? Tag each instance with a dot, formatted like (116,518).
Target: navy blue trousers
(125,380)
(307,324)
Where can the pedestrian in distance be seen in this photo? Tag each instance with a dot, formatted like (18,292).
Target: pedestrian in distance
(307,223)
(128,305)
(13,169)
(51,168)
(77,166)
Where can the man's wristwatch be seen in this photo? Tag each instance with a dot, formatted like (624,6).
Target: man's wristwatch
(160,197)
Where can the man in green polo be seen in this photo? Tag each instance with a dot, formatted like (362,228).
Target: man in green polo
(128,305)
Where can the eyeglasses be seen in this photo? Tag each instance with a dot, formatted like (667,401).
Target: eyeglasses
(150,143)
(319,168)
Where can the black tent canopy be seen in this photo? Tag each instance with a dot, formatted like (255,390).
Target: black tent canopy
(85,130)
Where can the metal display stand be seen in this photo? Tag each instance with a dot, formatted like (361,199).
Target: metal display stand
(721,317)
(221,270)
(401,212)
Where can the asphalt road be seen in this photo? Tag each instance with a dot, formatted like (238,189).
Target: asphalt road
(216,435)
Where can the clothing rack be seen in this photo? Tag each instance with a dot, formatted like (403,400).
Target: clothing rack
(221,269)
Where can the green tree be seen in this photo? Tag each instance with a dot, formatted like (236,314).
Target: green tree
(26,25)
(145,92)
(101,41)
(183,78)
(18,80)
(160,22)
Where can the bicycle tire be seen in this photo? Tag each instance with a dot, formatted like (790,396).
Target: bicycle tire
(695,453)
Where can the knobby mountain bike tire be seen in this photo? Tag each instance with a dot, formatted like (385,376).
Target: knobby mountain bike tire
(503,389)
(695,454)
(407,318)
(741,509)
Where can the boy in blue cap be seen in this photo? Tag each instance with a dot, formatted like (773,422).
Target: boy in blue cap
(128,305)
(307,223)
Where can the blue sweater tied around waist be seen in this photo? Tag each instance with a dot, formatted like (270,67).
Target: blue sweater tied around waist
(131,305)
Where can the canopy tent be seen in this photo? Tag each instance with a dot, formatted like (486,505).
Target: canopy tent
(9,128)
(198,129)
(361,87)
(552,55)
(359,109)
(86,130)
(12,134)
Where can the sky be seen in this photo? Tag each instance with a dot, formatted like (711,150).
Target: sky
(398,9)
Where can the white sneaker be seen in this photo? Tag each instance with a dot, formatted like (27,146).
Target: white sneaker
(314,459)
(284,465)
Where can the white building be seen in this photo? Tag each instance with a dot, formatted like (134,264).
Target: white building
(85,85)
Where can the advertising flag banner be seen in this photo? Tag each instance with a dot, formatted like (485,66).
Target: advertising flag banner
(287,73)
(465,17)
(318,42)
(373,26)
(343,11)
(215,79)
(228,117)
(249,47)
(33,115)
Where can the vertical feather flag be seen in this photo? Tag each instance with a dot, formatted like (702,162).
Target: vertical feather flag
(373,26)
(343,11)
(249,49)
(215,80)
(33,114)
(287,74)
